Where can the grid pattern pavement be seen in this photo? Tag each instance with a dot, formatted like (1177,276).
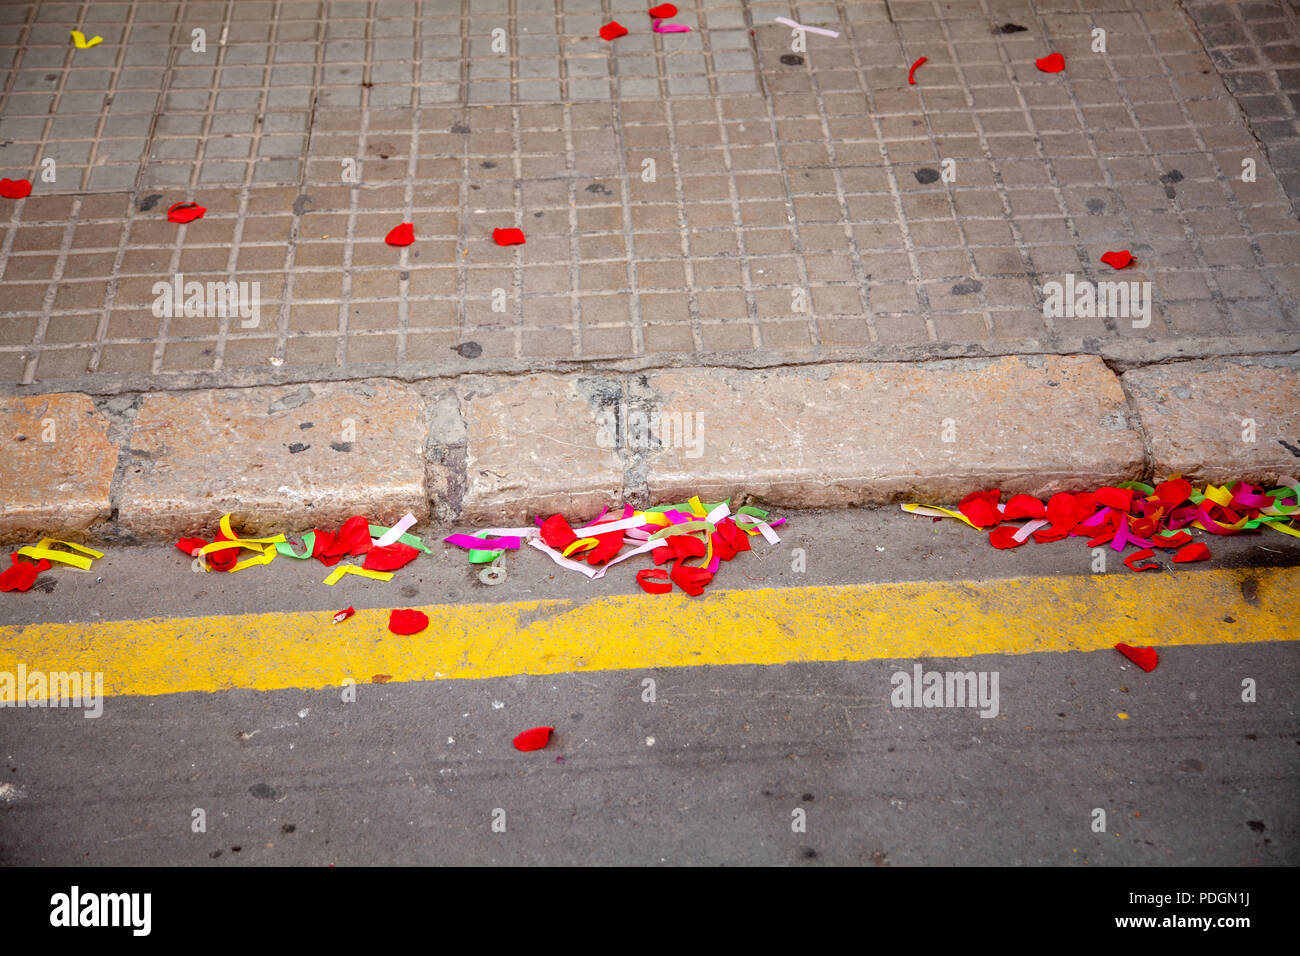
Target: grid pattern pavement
(1255,45)
(702,197)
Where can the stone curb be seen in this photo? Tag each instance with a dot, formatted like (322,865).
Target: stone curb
(499,450)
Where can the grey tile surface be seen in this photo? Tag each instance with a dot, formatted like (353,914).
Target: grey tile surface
(713,196)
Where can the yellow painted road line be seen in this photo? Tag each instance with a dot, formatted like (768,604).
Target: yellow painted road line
(764,626)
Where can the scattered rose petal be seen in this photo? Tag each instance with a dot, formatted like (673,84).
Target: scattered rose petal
(402,235)
(612,30)
(981,507)
(1192,552)
(664,11)
(1144,657)
(1118,260)
(184,212)
(1003,537)
(406,621)
(15,188)
(390,557)
(1024,506)
(535,738)
(1052,63)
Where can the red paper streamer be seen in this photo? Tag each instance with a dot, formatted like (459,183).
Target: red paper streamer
(654,581)
(509,237)
(1118,260)
(912,72)
(1142,555)
(344,614)
(665,11)
(611,31)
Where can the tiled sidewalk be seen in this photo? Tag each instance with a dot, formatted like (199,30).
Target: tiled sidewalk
(778,178)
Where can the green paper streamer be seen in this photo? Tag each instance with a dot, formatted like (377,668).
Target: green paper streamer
(309,542)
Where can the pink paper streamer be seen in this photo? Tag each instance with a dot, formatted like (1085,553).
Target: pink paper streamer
(668,27)
(482,544)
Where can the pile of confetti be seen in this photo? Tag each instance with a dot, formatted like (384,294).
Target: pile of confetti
(676,533)
(1131,514)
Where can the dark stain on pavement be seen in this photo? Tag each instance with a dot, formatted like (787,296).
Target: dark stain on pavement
(792,59)
(297,447)
(341,445)
(263,791)
(148,202)
(468,350)
(925,175)
(968,287)
(1250,591)
(1010,28)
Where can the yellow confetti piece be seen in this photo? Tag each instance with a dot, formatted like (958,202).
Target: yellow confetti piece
(79,39)
(337,574)
(697,507)
(1122,716)
(934,511)
(43,550)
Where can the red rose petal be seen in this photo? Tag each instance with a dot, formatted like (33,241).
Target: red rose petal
(1052,63)
(509,237)
(15,189)
(1024,506)
(534,738)
(664,11)
(1144,657)
(184,212)
(654,581)
(402,235)
(556,533)
(912,72)
(981,507)
(1004,537)
(390,558)
(1141,556)
(1192,552)
(1118,260)
(405,621)
(610,31)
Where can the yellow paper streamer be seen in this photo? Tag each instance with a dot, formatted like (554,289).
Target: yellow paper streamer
(337,574)
(81,43)
(582,544)
(42,549)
